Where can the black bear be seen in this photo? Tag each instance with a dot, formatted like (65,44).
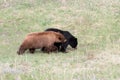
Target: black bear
(71,40)
(39,40)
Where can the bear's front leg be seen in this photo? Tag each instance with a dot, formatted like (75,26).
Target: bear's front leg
(46,50)
(64,46)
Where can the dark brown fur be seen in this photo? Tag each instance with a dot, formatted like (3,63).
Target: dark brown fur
(39,40)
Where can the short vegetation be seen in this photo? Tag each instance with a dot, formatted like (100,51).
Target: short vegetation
(96,24)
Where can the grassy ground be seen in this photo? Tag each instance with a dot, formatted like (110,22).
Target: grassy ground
(96,24)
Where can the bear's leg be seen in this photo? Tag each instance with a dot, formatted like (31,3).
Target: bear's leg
(53,48)
(32,50)
(58,45)
(43,49)
(46,50)
(64,46)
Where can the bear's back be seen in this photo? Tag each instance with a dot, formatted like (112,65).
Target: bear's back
(45,38)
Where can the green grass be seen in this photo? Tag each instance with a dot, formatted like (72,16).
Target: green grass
(96,24)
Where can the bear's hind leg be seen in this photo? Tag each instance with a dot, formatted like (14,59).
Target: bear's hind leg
(43,49)
(32,50)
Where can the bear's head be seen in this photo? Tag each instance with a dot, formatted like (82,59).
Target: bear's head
(73,42)
(61,38)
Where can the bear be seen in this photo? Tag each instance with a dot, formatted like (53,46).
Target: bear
(37,40)
(50,49)
(71,40)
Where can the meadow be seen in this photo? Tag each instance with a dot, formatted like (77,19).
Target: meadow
(96,24)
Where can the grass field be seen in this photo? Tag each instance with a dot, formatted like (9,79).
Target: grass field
(96,24)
